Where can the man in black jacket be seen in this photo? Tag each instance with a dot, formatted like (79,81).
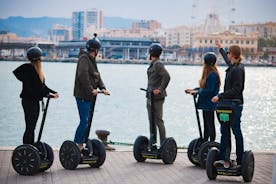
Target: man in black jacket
(87,80)
(158,80)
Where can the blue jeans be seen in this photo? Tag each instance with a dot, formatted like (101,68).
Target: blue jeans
(84,109)
(236,129)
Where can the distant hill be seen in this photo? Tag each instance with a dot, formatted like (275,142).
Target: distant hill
(25,27)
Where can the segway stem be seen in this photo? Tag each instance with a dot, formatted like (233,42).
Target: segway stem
(197,117)
(90,117)
(43,119)
(152,124)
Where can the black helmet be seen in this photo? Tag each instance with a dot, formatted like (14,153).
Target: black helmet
(210,58)
(93,44)
(34,53)
(155,50)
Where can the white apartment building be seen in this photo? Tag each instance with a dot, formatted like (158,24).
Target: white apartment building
(180,36)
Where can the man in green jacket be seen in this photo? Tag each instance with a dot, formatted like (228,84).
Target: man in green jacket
(158,80)
(87,80)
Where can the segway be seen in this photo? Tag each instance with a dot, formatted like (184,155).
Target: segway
(226,115)
(93,154)
(198,149)
(30,159)
(145,149)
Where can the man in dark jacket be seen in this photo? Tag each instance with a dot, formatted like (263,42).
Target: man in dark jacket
(87,81)
(158,80)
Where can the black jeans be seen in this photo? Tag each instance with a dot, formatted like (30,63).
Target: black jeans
(209,125)
(31,112)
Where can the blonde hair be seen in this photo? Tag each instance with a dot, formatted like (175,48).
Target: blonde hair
(235,50)
(38,67)
(207,69)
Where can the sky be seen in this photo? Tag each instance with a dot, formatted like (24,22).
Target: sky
(170,13)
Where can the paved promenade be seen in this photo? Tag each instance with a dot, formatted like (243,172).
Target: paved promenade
(121,168)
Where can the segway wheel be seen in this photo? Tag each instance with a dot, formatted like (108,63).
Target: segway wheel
(26,160)
(48,155)
(203,151)
(99,151)
(140,144)
(69,155)
(192,151)
(248,164)
(211,170)
(169,150)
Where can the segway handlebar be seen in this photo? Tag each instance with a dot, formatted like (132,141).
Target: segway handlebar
(187,92)
(103,92)
(143,89)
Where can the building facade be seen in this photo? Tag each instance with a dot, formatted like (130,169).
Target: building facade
(85,22)
(60,33)
(145,24)
(265,30)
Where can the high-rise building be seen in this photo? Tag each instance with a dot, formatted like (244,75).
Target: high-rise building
(83,22)
(78,25)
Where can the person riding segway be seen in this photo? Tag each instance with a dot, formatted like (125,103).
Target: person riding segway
(229,110)
(33,157)
(158,79)
(208,87)
(87,81)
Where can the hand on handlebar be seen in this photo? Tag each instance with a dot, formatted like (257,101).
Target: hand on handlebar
(156,91)
(191,91)
(53,95)
(105,92)
(215,99)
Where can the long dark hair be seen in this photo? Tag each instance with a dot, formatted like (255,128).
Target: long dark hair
(207,69)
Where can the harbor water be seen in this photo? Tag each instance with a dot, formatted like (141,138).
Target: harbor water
(124,113)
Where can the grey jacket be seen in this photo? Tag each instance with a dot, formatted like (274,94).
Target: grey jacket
(87,77)
(158,78)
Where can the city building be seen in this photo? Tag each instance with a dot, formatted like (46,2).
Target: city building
(60,33)
(111,48)
(146,24)
(206,43)
(86,22)
(179,36)
(265,30)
